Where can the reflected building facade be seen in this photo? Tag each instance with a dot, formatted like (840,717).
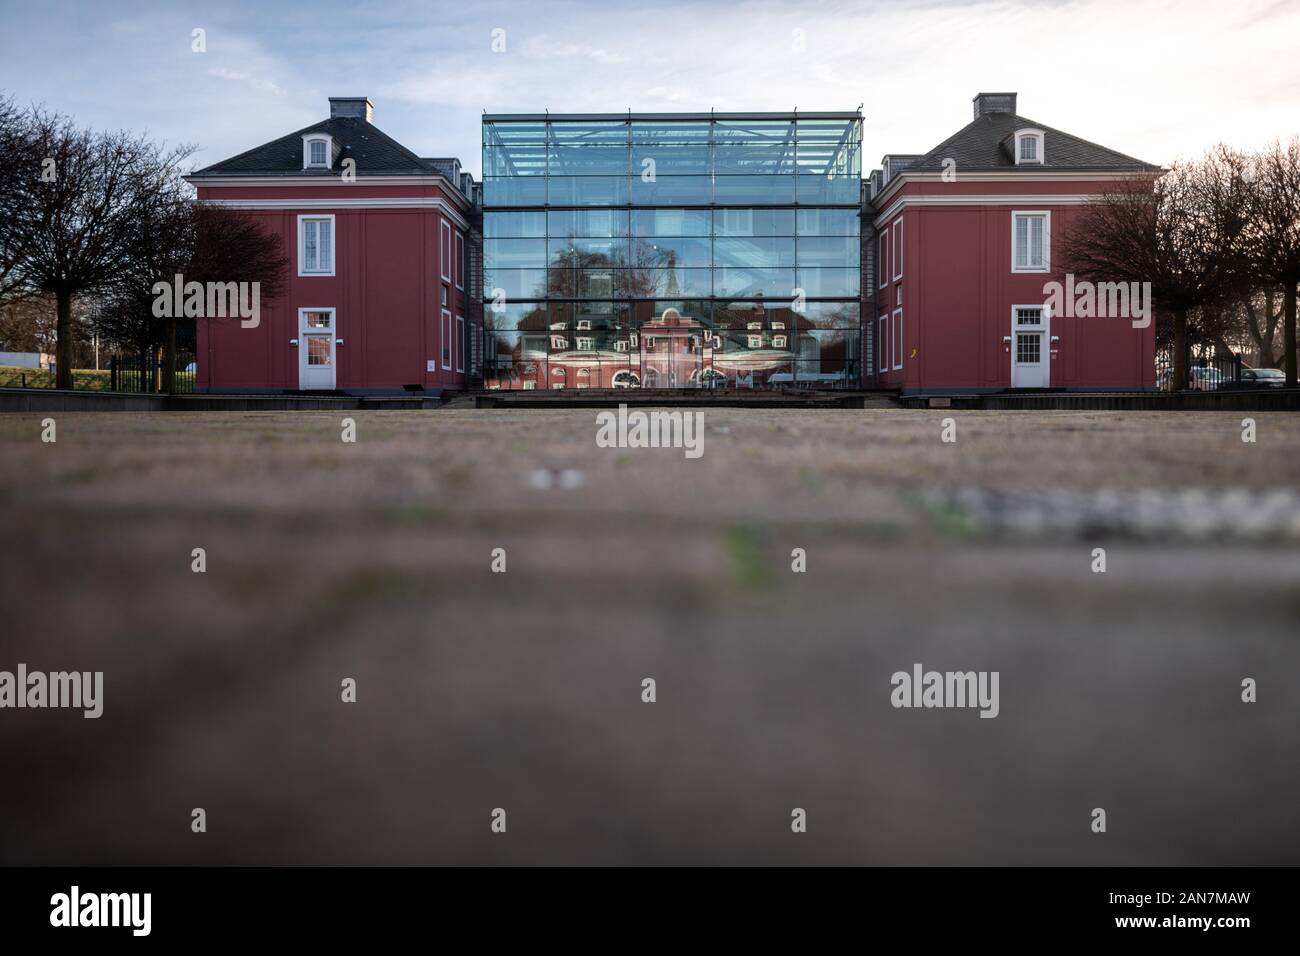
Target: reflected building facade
(671,251)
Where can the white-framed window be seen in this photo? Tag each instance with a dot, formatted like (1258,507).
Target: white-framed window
(1029,147)
(446,340)
(460,261)
(584,325)
(620,345)
(316,150)
(898,249)
(897,337)
(778,341)
(752,326)
(530,386)
(316,245)
(444,246)
(649,343)
(755,341)
(585,343)
(882,346)
(1031,241)
(898,294)
(445,297)
(778,326)
(883,254)
(559,343)
(717,341)
(460,343)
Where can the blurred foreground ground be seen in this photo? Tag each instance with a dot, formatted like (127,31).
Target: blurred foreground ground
(522,690)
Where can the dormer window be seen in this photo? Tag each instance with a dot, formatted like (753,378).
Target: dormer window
(316,152)
(1029,147)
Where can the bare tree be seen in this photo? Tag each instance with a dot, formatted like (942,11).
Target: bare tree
(177,235)
(1270,244)
(70,216)
(1177,231)
(1262,315)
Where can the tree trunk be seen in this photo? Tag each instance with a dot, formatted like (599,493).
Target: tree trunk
(1180,350)
(169,358)
(63,339)
(1288,334)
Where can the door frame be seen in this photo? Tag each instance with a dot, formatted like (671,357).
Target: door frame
(303,332)
(1044,329)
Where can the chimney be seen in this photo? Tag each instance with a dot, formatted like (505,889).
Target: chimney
(994,103)
(352,107)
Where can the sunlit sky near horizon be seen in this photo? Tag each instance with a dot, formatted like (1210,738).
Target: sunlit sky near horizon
(1157,79)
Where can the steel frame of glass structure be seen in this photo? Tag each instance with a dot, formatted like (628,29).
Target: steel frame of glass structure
(672,250)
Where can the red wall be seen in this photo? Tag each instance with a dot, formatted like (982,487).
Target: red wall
(959,290)
(386,289)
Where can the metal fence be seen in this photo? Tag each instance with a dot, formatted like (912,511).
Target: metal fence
(1209,369)
(143,372)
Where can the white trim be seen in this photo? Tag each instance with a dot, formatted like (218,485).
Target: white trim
(897,320)
(1065,199)
(1047,241)
(896,242)
(332,331)
(1044,328)
(380,203)
(881,338)
(882,266)
(1044,172)
(460,343)
(458,260)
(444,249)
(307,140)
(294,180)
(1028,133)
(446,340)
(302,244)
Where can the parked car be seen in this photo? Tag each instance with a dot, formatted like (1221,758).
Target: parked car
(1199,379)
(1262,378)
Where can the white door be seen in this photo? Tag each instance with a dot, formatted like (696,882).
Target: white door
(1030,355)
(316,349)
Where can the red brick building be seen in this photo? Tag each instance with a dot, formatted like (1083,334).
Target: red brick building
(964,240)
(383,291)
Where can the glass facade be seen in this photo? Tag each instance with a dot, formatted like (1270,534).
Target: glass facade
(679,251)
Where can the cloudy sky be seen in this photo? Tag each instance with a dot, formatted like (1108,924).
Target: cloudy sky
(1153,78)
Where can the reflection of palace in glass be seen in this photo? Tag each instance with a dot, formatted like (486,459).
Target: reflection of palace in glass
(671,251)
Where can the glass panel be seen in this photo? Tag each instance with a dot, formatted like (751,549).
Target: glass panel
(829,283)
(318,350)
(515,315)
(670,159)
(736,190)
(671,189)
(1029,348)
(832,315)
(829,251)
(690,253)
(502,225)
(588,190)
(588,252)
(514,253)
(772,132)
(317,320)
(589,132)
(830,222)
(588,160)
(670,222)
(665,281)
(754,158)
(518,191)
(515,283)
(749,282)
(753,222)
(842,189)
(587,222)
(763,253)
(692,132)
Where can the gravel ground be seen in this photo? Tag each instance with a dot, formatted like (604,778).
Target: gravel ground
(522,691)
